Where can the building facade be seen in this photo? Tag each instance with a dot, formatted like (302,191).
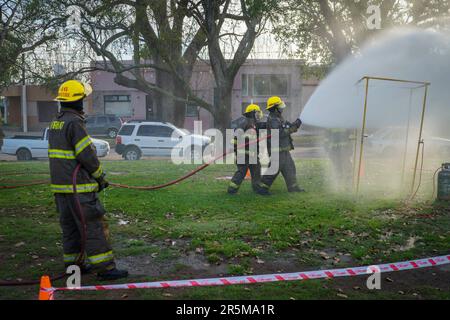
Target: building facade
(255,82)
(39,109)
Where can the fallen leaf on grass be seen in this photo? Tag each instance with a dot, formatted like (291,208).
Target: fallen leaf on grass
(324,255)
(259,261)
(342,295)
(169,215)
(199,250)
(19,244)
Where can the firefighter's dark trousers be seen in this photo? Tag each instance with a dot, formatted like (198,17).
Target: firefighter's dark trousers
(98,252)
(341,159)
(287,169)
(239,176)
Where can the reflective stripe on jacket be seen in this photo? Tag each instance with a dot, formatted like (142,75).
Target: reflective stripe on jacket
(248,132)
(276,121)
(69,144)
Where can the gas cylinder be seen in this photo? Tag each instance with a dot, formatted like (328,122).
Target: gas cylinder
(443,184)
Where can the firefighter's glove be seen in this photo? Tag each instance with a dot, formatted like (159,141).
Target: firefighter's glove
(102,183)
(297,123)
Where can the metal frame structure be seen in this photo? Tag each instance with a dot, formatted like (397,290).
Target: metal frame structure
(423,84)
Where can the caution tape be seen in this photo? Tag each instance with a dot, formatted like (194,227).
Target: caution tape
(295,276)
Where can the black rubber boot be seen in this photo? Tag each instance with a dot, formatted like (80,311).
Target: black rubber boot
(262,191)
(232,190)
(296,189)
(113,274)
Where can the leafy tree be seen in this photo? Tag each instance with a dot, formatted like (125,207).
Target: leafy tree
(237,24)
(158,34)
(26,25)
(326,31)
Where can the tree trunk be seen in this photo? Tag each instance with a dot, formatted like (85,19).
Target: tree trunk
(223,113)
(165,105)
(180,106)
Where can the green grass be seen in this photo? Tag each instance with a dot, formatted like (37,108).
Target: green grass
(234,232)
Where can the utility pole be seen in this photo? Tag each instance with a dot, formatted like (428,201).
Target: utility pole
(24,98)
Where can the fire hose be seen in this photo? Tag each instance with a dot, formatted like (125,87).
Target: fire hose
(156,187)
(80,259)
(81,217)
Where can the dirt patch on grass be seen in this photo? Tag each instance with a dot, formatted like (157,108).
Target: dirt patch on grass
(412,284)
(190,264)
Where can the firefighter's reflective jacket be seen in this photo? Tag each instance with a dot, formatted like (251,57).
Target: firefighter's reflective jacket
(276,121)
(69,144)
(246,135)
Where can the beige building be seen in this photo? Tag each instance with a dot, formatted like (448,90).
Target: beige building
(37,111)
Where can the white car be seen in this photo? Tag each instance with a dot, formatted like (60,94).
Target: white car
(143,138)
(30,147)
(391,141)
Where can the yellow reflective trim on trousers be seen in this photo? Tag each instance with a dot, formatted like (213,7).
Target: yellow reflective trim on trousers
(102,257)
(98,172)
(70,257)
(82,144)
(61,154)
(68,188)
(263,185)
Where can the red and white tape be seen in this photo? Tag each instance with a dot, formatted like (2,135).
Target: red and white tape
(318,274)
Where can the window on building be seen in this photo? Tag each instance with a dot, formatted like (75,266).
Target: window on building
(265,84)
(119,105)
(279,84)
(47,110)
(244,80)
(191,110)
(261,85)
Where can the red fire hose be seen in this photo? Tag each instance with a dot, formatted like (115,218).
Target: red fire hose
(80,214)
(156,187)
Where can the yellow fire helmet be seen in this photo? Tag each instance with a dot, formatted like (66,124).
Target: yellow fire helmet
(253,107)
(73,90)
(275,102)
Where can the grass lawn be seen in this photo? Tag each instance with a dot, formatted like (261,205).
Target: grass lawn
(195,229)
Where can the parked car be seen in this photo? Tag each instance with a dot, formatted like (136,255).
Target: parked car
(143,138)
(391,141)
(103,124)
(30,147)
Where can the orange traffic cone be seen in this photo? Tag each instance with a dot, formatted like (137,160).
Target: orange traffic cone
(45,284)
(247,175)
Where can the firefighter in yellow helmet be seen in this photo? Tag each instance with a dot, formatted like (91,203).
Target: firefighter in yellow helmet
(246,147)
(69,146)
(275,121)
